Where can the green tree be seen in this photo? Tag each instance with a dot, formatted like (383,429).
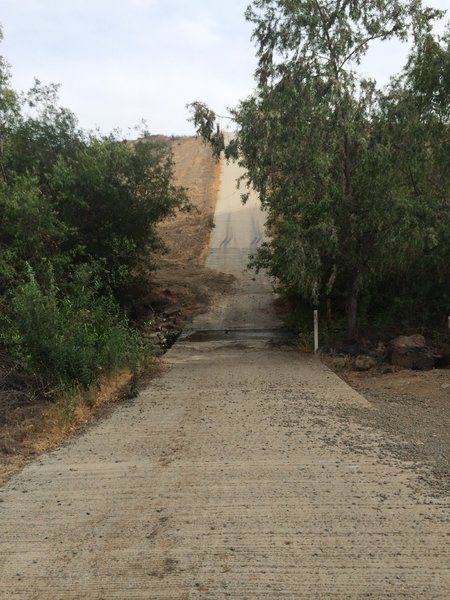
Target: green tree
(94,199)
(413,123)
(78,216)
(111,195)
(41,132)
(30,231)
(315,142)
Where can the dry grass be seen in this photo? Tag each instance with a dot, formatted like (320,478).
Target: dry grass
(42,426)
(182,278)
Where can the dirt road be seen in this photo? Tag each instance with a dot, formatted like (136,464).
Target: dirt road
(231,476)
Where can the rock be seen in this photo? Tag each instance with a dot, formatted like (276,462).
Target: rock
(412,352)
(172,310)
(382,350)
(338,363)
(409,342)
(8,445)
(202,294)
(420,359)
(364,363)
(445,386)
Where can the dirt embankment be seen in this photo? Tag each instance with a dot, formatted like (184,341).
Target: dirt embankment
(182,286)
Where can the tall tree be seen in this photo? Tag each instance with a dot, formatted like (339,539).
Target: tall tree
(310,138)
(70,197)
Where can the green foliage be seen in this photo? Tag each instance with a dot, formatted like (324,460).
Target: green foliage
(94,199)
(78,216)
(30,230)
(111,195)
(355,180)
(205,122)
(42,132)
(67,339)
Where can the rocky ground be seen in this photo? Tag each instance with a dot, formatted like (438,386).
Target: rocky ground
(411,409)
(409,399)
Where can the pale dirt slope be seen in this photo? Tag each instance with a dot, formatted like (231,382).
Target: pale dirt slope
(181,278)
(229,477)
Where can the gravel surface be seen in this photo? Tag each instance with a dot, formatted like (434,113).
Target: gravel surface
(412,412)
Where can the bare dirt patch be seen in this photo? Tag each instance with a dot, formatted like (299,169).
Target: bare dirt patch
(182,282)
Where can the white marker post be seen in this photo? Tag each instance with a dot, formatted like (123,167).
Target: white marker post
(449,322)
(316,330)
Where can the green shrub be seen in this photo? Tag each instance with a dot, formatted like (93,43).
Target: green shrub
(111,195)
(68,339)
(30,231)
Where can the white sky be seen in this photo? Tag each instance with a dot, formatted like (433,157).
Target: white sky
(120,61)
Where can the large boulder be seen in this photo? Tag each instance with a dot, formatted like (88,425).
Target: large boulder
(409,342)
(364,363)
(412,352)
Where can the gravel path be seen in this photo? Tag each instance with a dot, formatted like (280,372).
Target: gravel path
(229,477)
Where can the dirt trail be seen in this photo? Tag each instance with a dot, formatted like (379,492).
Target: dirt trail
(231,476)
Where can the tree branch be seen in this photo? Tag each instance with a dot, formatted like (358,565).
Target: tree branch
(355,50)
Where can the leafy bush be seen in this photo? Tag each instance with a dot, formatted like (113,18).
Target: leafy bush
(111,195)
(30,231)
(68,339)
(78,216)
(71,198)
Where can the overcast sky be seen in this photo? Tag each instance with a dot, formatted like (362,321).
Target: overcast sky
(120,61)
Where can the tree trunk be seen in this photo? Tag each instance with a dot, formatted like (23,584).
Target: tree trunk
(352,307)
(329,319)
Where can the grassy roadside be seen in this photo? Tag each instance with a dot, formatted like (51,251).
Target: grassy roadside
(33,427)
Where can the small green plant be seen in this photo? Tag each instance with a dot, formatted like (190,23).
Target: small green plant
(69,338)
(171,336)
